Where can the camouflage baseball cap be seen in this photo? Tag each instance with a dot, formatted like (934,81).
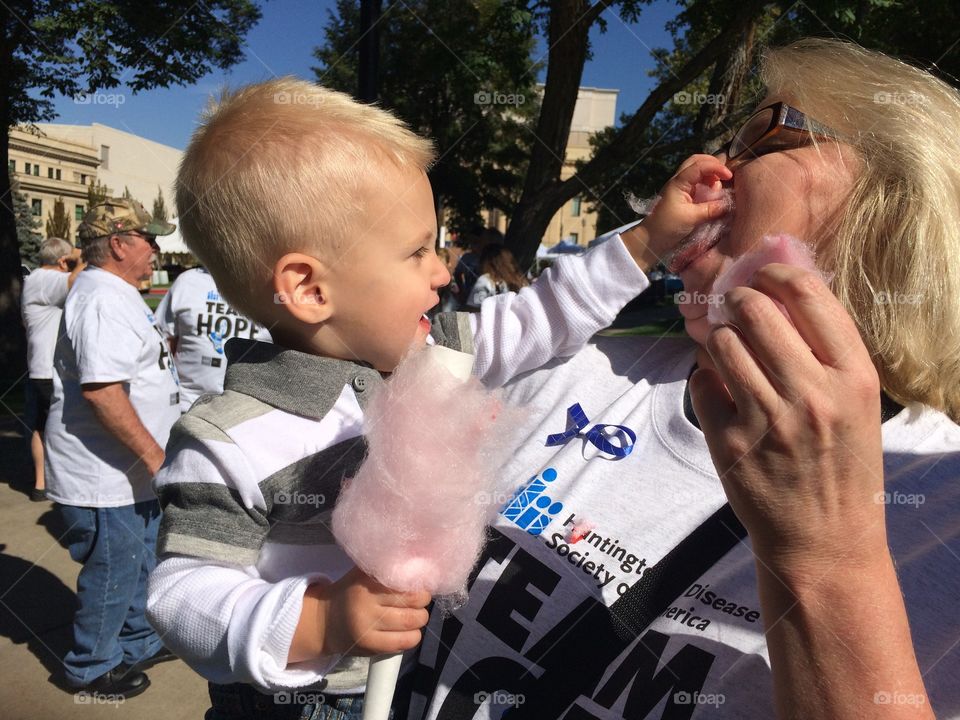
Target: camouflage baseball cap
(119,215)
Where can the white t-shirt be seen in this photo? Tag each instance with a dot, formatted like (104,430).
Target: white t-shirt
(108,334)
(44,292)
(194,313)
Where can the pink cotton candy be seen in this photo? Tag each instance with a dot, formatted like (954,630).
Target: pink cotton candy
(739,273)
(708,234)
(415,514)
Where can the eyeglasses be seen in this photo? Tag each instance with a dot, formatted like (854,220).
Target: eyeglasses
(773,128)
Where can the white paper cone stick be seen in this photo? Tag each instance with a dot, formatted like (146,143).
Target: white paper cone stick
(458,363)
(381,682)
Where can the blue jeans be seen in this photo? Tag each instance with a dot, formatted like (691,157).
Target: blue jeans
(244,702)
(117,548)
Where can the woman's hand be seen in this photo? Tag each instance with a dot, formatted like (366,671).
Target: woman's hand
(791,414)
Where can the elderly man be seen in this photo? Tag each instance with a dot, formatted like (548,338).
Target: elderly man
(115,398)
(44,292)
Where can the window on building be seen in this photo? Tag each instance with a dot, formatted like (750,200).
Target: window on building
(83,179)
(105,157)
(575,238)
(12,165)
(50,173)
(36,207)
(575,207)
(78,213)
(58,173)
(36,169)
(26,168)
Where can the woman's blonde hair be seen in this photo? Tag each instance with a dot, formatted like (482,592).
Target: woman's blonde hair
(282,166)
(896,248)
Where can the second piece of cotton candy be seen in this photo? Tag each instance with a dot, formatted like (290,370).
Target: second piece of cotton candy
(414,515)
(784,249)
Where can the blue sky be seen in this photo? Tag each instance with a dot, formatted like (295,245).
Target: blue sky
(282,44)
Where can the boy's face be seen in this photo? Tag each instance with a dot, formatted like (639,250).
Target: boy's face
(388,272)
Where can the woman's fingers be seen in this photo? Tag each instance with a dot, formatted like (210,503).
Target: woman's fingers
(779,351)
(818,316)
(712,403)
(746,382)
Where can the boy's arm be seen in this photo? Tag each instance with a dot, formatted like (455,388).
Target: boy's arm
(557,314)
(212,608)
(231,625)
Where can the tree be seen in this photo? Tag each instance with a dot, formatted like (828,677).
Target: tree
(79,48)
(96,193)
(58,223)
(477,106)
(159,207)
(28,239)
(127,195)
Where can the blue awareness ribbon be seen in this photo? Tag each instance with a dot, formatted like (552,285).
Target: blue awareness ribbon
(577,421)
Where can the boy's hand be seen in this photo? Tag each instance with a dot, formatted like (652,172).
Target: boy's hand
(358,616)
(677,212)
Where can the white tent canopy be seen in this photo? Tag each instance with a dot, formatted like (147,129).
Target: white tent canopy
(172,243)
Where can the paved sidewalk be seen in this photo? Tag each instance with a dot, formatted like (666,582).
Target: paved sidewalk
(37,597)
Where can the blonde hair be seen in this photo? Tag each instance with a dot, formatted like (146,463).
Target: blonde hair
(278,167)
(896,243)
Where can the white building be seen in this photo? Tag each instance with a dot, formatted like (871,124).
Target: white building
(128,161)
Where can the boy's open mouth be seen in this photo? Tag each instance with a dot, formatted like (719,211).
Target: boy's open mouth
(425,323)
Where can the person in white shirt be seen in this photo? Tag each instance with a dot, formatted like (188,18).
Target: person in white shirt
(115,398)
(198,323)
(41,305)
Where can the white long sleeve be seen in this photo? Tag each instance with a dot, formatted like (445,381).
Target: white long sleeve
(557,314)
(229,624)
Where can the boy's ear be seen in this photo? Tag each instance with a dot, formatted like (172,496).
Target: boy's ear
(300,284)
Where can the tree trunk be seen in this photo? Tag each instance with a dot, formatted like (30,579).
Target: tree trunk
(13,339)
(727,83)
(367,70)
(544,193)
(568,36)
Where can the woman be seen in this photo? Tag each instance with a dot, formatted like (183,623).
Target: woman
(804,618)
(500,274)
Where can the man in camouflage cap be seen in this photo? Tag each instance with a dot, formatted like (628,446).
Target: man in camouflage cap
(115,398)
(115,218)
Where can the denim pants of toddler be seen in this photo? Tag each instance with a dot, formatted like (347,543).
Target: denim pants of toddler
(117,548)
